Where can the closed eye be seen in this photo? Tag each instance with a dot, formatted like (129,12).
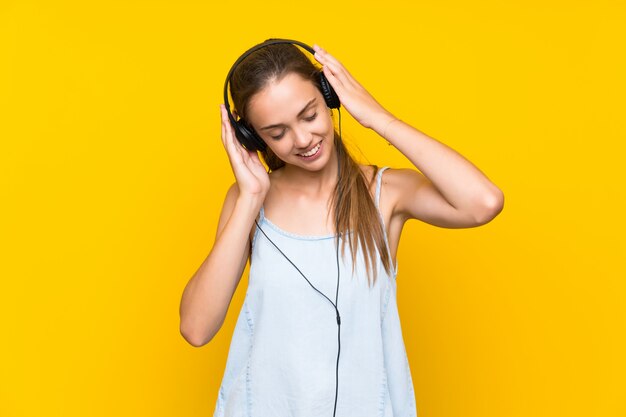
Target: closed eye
(279,136)
(308,119)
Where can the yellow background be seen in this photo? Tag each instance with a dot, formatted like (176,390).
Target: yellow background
(113,175)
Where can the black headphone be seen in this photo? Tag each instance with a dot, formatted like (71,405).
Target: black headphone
(244,133)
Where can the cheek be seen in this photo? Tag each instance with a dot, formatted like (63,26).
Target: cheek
(325,123)
(283,146)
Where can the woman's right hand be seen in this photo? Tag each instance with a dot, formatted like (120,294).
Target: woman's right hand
(252,178)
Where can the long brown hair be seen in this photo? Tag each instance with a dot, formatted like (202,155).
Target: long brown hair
(356,209)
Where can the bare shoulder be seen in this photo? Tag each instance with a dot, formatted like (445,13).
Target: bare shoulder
(396,185)
(414,196)
(401,183)
(369,174)
(368,170)
(401,179)
(396,178)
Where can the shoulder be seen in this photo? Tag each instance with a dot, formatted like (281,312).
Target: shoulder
(397,186)
(400,179)
(393,183)
(369,172)
(395,178)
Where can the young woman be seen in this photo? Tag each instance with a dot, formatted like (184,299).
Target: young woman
(307,342)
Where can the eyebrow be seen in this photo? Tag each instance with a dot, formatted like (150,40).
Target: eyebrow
(299,114)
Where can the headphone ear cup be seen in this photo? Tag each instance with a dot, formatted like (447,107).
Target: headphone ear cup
(328,92)
(248,137)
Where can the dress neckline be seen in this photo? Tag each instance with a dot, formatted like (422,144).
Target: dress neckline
(291,234)
(320,237)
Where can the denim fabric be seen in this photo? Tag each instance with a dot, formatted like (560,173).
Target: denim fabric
(283,354)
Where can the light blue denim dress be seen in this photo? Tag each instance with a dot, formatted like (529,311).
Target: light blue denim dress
(283,354)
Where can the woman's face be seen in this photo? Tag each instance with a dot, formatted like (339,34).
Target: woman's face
(293,119)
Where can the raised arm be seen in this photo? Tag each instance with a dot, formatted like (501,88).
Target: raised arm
(451,192)
(208,293)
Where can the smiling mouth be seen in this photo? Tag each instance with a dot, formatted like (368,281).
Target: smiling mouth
(313,150)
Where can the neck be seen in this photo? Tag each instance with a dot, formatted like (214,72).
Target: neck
(313,183)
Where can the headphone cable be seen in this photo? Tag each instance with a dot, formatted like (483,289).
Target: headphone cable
(337,150)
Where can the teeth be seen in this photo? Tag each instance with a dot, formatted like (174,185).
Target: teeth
(311,152)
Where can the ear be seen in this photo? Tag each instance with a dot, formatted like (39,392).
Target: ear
(235,114)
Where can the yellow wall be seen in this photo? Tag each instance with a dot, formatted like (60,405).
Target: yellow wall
(112,175)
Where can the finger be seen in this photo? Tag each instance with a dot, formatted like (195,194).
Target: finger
(254,156)
(339,73)
(240,158)
(229,140)
(332,78)
(256,167)
(337,67)
(223,125)
(245,154)
(226,122)
(223,115)
(237,146)
(329,59)
(226,135)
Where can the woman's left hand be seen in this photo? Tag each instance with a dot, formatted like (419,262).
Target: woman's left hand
(353,96)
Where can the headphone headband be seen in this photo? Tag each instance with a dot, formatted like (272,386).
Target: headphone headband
(243,132)
(271,41)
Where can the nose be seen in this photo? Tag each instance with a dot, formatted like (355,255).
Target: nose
(302,139)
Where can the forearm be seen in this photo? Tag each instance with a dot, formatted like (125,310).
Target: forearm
(208,294)
(461,183)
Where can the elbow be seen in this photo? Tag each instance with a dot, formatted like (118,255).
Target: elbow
(195,338)
(198,329)
(491,207)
